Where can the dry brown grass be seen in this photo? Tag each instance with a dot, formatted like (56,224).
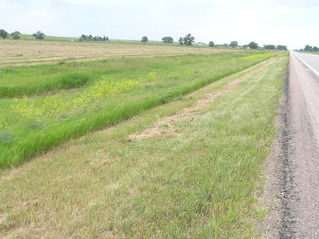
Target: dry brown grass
(17,53)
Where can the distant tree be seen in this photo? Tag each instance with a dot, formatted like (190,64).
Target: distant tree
(97,38)
(39,35)
(211,44)
(188,40)
(167,40)
(82,37)
(181,41)
(269,47)
(3,34)
(308,48)
(144,39)
(91,38)
(315,49)
(282,48)
(15,35)
(253,45)
(234,44)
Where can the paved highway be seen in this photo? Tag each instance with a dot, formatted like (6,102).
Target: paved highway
(300,206)
(310,60)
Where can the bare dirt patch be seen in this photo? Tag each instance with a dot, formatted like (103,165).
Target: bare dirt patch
(3,217)
(135,191)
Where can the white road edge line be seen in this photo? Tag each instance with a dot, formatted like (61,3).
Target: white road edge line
(307,65)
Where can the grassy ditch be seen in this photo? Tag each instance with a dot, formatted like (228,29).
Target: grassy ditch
(120,89)
(199,178)
(41,79)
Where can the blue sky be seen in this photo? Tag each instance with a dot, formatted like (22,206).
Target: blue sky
(287,22)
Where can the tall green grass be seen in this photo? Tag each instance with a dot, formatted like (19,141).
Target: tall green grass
(41,79)
(32,132)
(49,84)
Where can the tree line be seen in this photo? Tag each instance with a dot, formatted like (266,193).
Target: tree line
(187,40)
(273,47)
(310,48)
(93,38)
(17,35)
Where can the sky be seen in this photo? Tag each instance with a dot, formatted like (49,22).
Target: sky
(293,23)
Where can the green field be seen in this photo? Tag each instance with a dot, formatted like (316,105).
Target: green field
(49,38)
(171,146)
(68,39)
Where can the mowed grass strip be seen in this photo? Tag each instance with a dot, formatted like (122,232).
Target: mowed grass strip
(31,126)
(201,181)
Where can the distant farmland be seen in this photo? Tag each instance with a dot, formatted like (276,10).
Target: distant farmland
(22,52)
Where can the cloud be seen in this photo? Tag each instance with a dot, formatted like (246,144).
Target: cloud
(265,21)
(286,9)
(104,2)
(36,15)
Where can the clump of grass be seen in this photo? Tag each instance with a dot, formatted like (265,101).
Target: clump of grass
(72,80)
(258,56)
(55,83)
(6,137)
(61,63)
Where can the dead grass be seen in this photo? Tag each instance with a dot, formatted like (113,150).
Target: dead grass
(18,53)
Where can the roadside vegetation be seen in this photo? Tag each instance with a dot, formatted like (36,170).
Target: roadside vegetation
(46,105)
(189,168)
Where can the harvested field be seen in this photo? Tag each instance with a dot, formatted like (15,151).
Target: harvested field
(13,53)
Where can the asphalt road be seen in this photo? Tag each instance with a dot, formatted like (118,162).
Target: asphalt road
(300,203)
(310,60)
